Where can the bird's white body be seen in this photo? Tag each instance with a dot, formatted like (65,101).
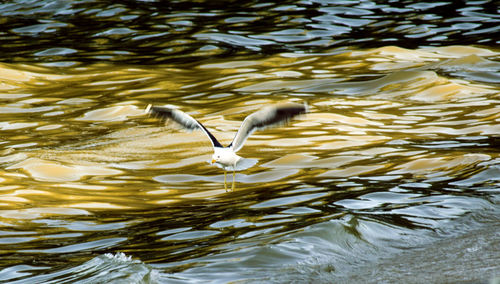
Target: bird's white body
(225,157)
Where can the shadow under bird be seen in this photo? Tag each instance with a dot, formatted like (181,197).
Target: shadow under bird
(225,157)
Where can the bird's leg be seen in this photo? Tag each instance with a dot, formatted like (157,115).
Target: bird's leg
(233,180)
(225,185)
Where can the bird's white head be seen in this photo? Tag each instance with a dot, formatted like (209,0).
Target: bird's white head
(216,156)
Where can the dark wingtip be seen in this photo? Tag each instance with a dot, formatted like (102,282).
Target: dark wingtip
(172,114)
(291,110)
(163,113)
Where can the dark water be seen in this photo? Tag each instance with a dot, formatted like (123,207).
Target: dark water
(152,32)
(393,176)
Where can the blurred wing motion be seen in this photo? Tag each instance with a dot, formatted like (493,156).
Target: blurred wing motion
(181,118)
(266,117)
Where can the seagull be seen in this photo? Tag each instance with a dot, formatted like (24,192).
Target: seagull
(226,157)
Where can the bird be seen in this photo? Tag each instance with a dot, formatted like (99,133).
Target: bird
(226,157)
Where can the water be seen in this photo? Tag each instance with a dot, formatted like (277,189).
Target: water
(396,164)
(152,32)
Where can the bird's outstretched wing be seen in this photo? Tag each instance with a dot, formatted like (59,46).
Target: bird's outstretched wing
(266,117)
(181,118)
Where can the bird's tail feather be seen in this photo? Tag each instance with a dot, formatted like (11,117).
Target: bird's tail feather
(244,164)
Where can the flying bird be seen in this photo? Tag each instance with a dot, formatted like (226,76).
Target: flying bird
(226,157)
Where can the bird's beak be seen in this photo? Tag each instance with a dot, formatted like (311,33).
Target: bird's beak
(213,161)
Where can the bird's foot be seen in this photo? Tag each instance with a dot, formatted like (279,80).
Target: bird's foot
(232,187)
(225,183)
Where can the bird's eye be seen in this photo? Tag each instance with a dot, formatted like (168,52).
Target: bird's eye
(218,157)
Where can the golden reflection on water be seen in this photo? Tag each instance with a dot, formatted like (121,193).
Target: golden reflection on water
(79,139)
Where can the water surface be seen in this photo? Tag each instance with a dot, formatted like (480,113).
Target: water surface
(396,163)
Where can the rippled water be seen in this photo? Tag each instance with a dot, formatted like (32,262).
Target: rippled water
(396,166)
(152,32)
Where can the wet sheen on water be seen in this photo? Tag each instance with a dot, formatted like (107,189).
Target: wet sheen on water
(86,172)
(397,161)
